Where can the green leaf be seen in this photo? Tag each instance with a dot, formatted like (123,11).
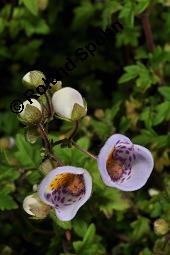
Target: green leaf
(80,227)
(127,13)
(8,173)
(113,199)
(35,27)
(141,6)
(27,154)
(88,238)
(101,128)
(32,6)
(109,9)
(146,251)
(77,245)
(62,224)
(162,113)
(131,73)
(83,13)
(140,227)
(165,91)
(6,200)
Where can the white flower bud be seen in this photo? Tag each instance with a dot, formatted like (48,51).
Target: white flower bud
(35,207)
(153,192)
(33,79)
(7,142)
(69,104)
(32,113)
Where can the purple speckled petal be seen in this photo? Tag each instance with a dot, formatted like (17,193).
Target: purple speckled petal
(141,163)
(64,209)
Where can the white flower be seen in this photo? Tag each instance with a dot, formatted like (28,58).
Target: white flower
(66,189)
(124,165)
(69,104)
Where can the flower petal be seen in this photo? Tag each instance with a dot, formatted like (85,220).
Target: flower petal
(140,166)
(64,100)
(67,205)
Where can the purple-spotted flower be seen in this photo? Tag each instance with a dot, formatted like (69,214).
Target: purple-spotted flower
(66,189)
(124,165)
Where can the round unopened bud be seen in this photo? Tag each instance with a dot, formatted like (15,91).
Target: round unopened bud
(47,165)
(35,207)
(33,79)
(42,4)
(86,121)
(153,192)
(167,3)
(7,142)
(32,113)
(99,114)
(69,104)
(161,227)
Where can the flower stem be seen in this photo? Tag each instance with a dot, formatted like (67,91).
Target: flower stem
(75,130)
(72,135)
(47,144)
(148,31)
(84,150)
(50,109)
(44,137)
(149,40)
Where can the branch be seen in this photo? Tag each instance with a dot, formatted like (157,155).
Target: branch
(84,150)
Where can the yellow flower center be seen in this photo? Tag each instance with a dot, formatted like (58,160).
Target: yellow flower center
(72,182)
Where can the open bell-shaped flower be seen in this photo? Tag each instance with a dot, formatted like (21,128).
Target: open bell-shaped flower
(124,165)
(69,104)
(66,189)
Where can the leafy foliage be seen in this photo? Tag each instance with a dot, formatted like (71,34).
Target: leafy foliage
(126,86)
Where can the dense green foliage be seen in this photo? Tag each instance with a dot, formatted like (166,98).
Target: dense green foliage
(126,86)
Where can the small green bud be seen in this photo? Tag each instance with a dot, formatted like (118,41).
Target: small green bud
(161,227)
(86,121)
(32,113)
(42,4)
(7,142)
(32,135)
(35,207)
(33,79)
(167,3)
(47,165)
(99,114)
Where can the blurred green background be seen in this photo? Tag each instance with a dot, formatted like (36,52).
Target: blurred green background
(126,86)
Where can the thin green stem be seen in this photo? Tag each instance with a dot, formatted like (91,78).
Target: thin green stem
(75,130)
(84,150)
(73,133)
(44,137)
(47,145)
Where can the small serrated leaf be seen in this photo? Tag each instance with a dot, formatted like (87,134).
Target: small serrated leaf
(32,6)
